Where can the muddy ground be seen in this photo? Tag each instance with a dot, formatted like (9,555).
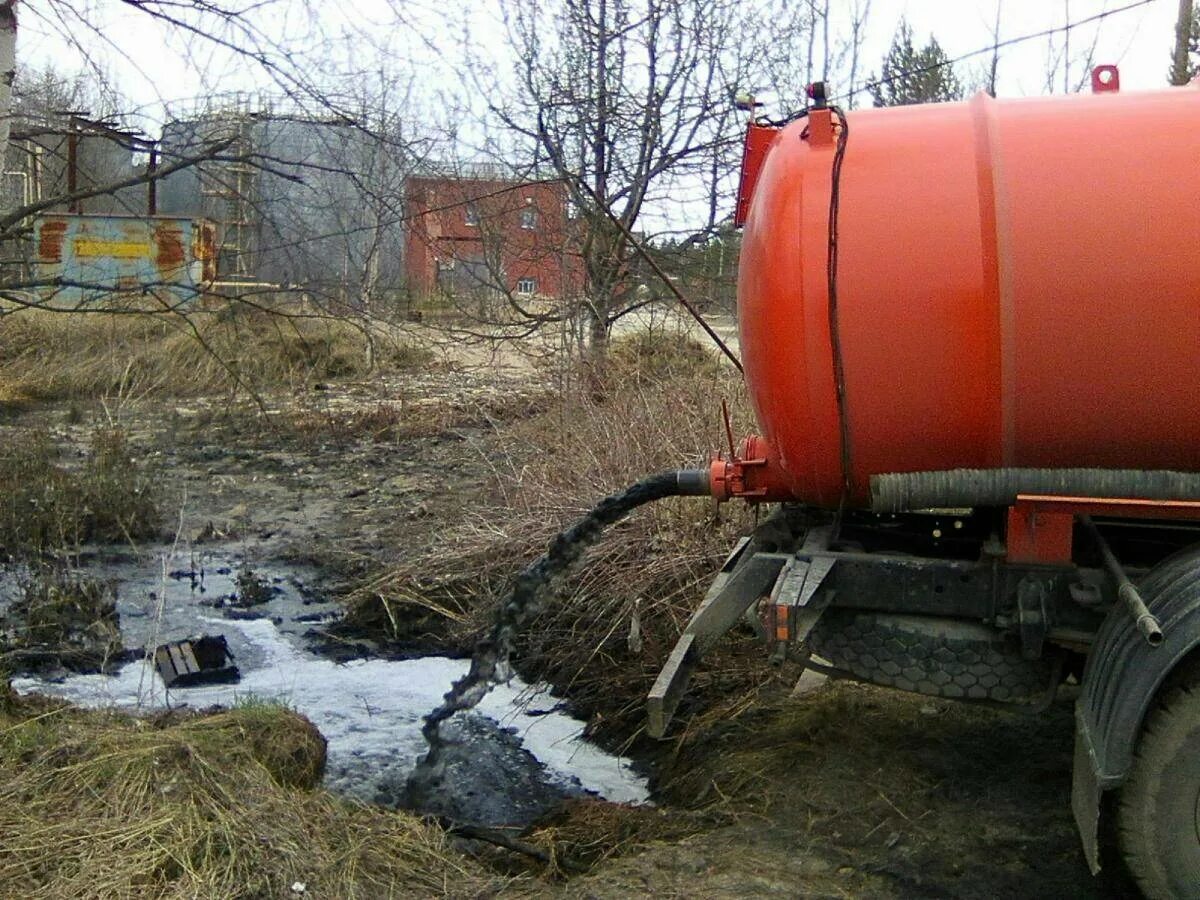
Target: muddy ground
(842,791)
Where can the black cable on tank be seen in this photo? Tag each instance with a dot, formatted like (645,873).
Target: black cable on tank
(835,337)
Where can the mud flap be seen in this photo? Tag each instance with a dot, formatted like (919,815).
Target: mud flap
(1086,793)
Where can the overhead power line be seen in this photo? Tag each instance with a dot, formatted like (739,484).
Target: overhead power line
(992,48)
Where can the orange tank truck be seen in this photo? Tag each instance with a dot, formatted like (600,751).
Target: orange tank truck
(1017,288)
(971,335)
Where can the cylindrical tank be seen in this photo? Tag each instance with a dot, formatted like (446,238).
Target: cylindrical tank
(1018,285)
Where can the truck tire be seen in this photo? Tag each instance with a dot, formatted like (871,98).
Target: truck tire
(927,655)
(1158,808)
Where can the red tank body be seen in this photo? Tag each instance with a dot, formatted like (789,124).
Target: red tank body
(1018,285)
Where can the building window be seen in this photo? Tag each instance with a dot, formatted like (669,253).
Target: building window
(471,214)
(529,216)
(526,285)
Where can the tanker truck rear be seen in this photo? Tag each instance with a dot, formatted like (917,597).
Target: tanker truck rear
(971,334)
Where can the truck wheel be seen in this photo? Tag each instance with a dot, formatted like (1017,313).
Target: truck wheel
(1158,811)
(935,656)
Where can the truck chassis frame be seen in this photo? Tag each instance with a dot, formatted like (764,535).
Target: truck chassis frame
(1047,583)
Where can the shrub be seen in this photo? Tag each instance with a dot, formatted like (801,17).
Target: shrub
(60,620)
(46,506)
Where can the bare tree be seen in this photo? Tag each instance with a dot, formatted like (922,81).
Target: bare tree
(8,64)
(1070,69)
(321,191)
(853,45)
(994,60)
(832,36)
(629,105)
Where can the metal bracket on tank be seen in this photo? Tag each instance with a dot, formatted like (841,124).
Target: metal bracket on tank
(820,128)
(820,116)
(795,605)
(1106,79)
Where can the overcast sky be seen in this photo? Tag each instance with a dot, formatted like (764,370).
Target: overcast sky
(151,62)
(304,41)
(1138,40)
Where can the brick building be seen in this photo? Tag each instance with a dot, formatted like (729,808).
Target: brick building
(490,235)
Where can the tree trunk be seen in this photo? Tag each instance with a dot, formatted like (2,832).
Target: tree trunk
(1180,67)
(598,338)
(596,367)
(8,68)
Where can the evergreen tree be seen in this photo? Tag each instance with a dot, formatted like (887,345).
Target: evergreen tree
(915,76)
(1194,44)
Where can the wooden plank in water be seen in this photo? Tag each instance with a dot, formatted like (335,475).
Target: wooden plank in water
(189,658)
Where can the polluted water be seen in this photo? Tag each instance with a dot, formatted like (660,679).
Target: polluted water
(527,754)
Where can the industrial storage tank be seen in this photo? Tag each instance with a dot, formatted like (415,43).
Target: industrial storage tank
(1016,288)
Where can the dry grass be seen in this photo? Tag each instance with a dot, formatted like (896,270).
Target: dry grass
(95,804)
(47,506)
(402,417)
(47,355)
(652,357)
(587,832)
(60,619)
(602,639)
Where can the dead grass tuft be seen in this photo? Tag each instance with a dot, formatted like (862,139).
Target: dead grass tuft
(59,619)
(96,804)
(587,832)
(236,350)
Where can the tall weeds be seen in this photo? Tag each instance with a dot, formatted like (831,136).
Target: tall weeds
(48,506)
(49,355)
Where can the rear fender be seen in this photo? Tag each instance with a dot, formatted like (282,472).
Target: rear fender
(1122,676)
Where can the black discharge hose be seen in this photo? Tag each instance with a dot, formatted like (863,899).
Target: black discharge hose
(489,662)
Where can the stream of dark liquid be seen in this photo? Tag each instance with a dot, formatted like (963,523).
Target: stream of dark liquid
(489,663)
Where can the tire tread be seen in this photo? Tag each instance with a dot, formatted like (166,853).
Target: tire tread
(1168,728)
(937,657)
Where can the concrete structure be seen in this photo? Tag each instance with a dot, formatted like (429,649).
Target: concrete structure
(490,235)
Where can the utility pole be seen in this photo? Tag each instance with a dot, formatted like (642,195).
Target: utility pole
(1180,67)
